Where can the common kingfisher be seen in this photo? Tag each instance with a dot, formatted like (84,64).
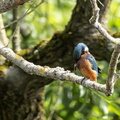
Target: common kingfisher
(85,62)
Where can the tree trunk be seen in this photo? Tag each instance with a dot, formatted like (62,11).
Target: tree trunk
(21,99)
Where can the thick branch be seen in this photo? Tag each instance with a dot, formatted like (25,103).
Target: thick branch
(54,73)
(6,5)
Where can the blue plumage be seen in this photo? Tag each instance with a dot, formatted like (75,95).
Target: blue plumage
(79,50)
(93,62)
(80,54)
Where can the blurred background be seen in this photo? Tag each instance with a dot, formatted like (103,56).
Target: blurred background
(65,100)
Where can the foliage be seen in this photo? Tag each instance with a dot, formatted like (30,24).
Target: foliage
(114,16)
(48,18)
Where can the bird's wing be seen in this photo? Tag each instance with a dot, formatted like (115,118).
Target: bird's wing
(93,62)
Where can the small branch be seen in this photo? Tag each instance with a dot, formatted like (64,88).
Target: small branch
(3,36)
(94,20)
(114,58)
(54,73)
(16,33)
(117,75)
(112,69)
(3,39)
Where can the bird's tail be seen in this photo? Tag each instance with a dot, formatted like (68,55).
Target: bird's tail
(99,70)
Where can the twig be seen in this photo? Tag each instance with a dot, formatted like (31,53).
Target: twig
(54,73)
(112,69)
(15,37)
(100,3)
(117,75)
(114,58)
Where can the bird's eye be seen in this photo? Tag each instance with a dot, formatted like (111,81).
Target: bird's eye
(82,52)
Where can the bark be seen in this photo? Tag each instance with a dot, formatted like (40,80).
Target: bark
(21,99)
(19,92)
(3,39)
(6,5)
(16,32)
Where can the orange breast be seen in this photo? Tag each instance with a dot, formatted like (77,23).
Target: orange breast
(86,69)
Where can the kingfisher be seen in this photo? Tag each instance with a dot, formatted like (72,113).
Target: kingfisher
(85,62)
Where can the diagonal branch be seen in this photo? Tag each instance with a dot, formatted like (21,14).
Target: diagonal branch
(54,73)
(115,55)
(94,20)
(6,5)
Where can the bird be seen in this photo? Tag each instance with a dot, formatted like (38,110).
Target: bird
(85,62)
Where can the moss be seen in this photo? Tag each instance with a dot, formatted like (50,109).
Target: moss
(23,52)
(17,57)
(3,69)
(67,77)
(116,35)
(42,70)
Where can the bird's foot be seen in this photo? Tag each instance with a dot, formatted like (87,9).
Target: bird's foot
(84,79)
(75,66)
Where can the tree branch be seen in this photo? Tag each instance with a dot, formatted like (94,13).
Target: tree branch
(15,33)
(3,38)
(111,70)
(115,55)
(94,20)
(6,5)
(54,73)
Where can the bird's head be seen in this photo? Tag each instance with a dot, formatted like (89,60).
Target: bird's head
(80,49)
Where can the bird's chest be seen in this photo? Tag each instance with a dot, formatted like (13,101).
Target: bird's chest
(86,69)
(84,63)
(84,66)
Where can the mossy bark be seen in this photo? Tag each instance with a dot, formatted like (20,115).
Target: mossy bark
(21,99)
